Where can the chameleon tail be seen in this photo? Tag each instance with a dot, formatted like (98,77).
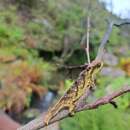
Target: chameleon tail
(52,112)
(48,116)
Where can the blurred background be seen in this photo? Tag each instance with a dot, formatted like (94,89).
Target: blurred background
(39,37)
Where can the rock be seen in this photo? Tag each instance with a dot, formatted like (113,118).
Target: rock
(110,59)
(112,72)
(123,50)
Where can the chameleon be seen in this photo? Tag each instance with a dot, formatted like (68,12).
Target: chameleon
(69,100)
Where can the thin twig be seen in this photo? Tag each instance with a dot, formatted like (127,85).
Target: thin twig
(38,123)
(87,40)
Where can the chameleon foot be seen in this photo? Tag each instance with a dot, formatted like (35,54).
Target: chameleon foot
(71,110)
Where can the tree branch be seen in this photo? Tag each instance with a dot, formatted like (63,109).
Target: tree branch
(38,123)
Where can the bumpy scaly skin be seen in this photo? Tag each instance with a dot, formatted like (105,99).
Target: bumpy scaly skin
(72,95)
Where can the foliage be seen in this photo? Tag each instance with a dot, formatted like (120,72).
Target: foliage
(22,71)
(19,83)
(104,118)
(125,65)
(10,31)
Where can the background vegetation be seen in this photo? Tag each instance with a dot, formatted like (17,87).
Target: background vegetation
(35,36)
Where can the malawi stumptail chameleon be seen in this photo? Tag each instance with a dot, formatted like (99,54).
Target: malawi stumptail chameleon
(77,90)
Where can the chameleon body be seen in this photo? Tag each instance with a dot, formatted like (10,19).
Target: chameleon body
(84,82)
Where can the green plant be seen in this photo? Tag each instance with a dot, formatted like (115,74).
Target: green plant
(104,118)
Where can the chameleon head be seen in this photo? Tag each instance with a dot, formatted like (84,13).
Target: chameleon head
(98,67)
(95,67)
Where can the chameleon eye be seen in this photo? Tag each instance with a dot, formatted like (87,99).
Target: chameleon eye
(88,68)
(99,65)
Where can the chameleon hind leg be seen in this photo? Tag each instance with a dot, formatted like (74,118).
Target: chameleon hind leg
(72,110)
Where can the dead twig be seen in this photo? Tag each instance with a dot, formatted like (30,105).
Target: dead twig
(87,40)
(107,35)
(74,67)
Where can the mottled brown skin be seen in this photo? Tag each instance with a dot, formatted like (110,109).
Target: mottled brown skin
(84,82)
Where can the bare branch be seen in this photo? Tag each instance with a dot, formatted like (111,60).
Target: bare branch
(74,67)
(105,100)
(38,123)
(107,35)
(122,22)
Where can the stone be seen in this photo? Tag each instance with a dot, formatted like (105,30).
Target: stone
(112,72)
